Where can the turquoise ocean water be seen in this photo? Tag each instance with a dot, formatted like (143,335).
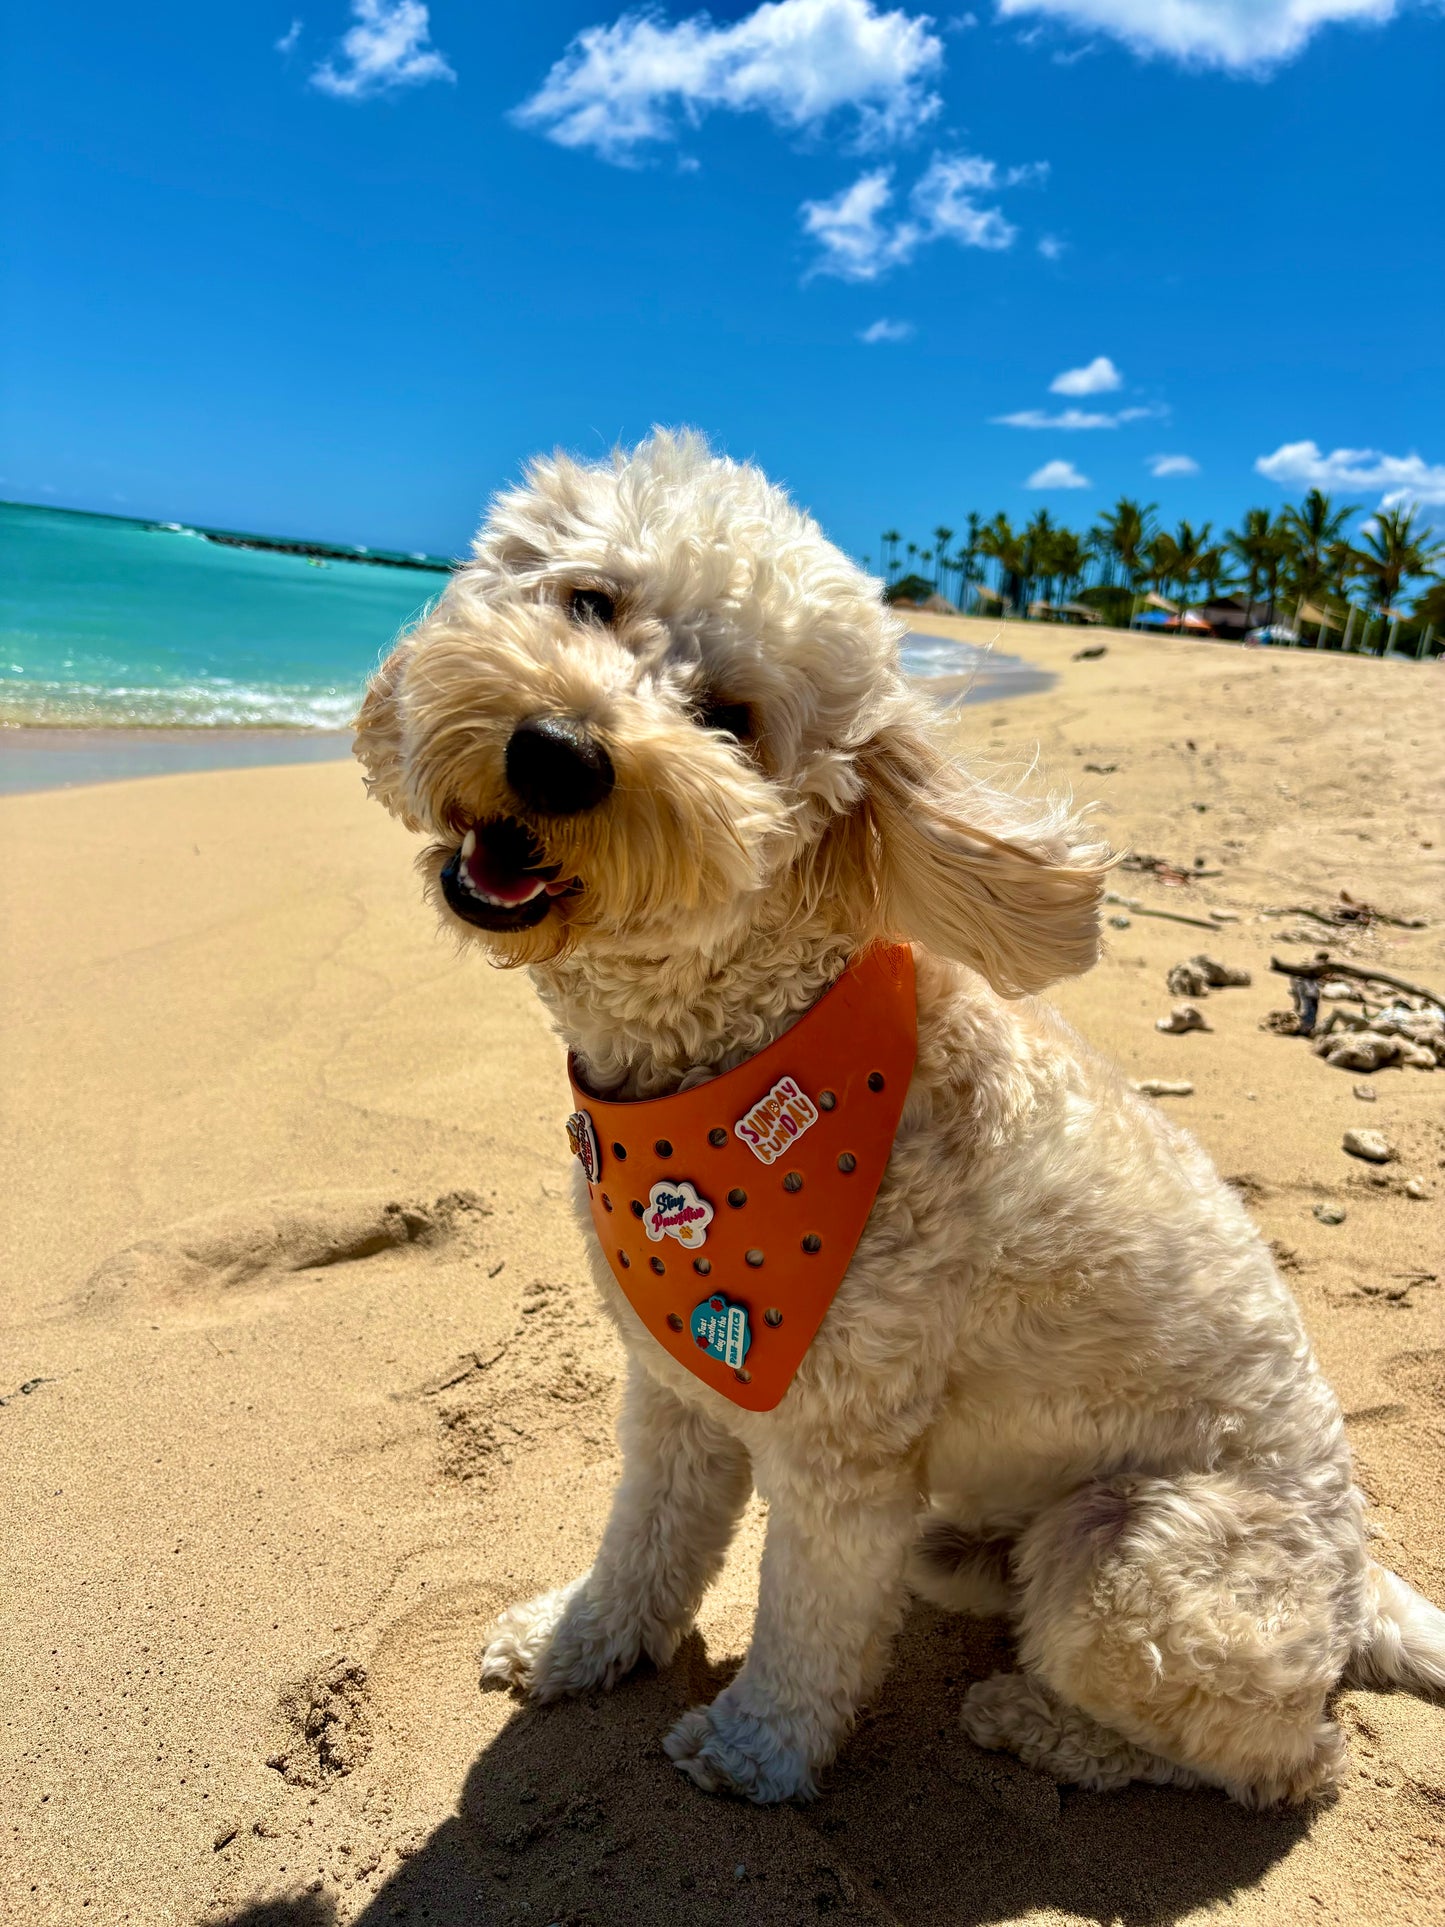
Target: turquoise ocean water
(107,623)
(113,623)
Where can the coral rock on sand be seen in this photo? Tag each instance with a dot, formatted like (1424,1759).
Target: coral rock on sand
(1417,1188)
(1330,1213)
(1366,1093)
(1164,1087)
(1197,976)
(1183,1017)
(1370,1145)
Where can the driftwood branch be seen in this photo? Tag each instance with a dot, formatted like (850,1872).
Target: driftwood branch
(1171,916)
(1323,972)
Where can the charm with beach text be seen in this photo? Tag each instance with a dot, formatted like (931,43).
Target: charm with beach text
(583,1139)
(720,1328)
(777,1121)
(675,1210)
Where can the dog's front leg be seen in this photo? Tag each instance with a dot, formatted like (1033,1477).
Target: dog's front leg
(830,1601)
(684,1483)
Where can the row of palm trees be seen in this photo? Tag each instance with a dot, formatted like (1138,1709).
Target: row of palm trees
(1304,553)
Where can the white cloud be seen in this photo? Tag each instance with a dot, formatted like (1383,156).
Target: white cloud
(1404,478)
(797,61)
(1237,35)
(289,38)
(386,48)
(1073,418)
(859,244)
(1098,378)
(1058,475)
(886,330)
(1162,465)
(1051,247)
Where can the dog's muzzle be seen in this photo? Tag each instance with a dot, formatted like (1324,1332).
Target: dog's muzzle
(497,880)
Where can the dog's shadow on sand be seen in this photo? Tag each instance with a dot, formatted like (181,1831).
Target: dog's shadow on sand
(574,1814)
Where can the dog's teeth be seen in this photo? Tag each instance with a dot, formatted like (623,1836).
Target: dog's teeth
(469,843)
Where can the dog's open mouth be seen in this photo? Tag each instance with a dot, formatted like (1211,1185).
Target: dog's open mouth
(497,879)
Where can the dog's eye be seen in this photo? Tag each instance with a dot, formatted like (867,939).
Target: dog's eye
(591,605)
(732,718)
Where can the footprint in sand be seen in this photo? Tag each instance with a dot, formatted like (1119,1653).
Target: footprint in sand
(326,1722)
(265,1241)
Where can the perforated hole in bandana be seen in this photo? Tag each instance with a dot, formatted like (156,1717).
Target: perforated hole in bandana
(793,1181)
(737,1198)
(812,1243)
(702,1266)
(674,1322)
(827,1101)
(772,1316)
(663,1148)
(717,1136)
(623,1259)
(755,1257)
(847,1162)
(875,1080)
(658,1266)
(619,1151)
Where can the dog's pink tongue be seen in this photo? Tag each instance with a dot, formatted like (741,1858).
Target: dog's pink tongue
(507,886)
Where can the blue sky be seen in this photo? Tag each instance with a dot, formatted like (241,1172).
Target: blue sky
(337,268)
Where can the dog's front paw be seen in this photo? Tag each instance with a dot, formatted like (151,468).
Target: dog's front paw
(731,1752)
(568,1641)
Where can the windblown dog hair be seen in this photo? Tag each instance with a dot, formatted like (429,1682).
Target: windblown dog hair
(657,732)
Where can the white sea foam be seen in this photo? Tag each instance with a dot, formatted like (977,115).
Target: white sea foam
(202,704)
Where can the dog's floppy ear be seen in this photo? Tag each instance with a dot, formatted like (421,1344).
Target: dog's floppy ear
(378,736)
(974,873)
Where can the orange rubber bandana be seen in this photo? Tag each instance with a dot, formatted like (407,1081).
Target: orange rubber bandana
(729,1213)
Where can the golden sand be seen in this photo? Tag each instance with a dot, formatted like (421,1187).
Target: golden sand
(300,1383)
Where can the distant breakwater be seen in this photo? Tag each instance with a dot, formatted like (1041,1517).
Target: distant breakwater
(318,551)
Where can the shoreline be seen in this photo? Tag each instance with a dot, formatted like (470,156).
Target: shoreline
(70,755)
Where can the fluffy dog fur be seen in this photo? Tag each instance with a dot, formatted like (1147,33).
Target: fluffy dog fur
(1062,1379)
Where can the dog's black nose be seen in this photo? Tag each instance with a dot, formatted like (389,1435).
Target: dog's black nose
(557,767)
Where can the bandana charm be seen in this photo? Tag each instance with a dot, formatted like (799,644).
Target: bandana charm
(777,1120)
(674,1210)
(721,1329)
(583,1139)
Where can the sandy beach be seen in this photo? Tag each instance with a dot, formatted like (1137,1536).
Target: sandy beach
(300,1382)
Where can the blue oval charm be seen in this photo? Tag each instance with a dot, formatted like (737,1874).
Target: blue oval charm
(721,1329)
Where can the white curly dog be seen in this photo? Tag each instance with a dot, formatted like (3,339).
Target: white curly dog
(663,722)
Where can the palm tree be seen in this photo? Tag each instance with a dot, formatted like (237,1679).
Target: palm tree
(1259,548)
(1210,566)
(1126,529)
(999,543)
(941,539)
(1161,561)
(1313,532)
(891,539)
(1069,557)
(967,557)
(1395,549)
(1037,540)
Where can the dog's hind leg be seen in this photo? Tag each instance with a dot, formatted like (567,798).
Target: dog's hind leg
(1017,1713)
(684,1483)
(1202,1619)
